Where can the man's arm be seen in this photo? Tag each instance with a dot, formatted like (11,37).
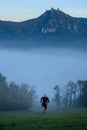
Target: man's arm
(41,100)
(48,100)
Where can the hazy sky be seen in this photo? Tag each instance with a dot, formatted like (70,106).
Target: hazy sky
(19,10)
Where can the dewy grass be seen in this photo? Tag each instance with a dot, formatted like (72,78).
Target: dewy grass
(63,120)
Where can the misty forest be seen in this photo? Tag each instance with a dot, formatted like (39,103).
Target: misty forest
(22,97)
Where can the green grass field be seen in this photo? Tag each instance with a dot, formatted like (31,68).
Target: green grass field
(62,120)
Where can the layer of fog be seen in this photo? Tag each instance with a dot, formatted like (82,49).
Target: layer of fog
(44,68)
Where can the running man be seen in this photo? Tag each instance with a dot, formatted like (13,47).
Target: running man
(44,100)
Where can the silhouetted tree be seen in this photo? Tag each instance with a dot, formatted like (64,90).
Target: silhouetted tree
(70,94)
(27,95)
(3,91)
(82,93)
(57,97)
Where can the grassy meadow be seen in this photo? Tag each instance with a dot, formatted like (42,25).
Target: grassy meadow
(61,120)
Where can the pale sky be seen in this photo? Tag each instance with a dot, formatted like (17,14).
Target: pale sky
(20,10)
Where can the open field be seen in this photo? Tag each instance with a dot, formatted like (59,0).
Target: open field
(61,120)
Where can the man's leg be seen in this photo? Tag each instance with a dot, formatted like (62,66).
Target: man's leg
(44,110)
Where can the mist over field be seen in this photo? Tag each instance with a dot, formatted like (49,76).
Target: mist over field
(44,67)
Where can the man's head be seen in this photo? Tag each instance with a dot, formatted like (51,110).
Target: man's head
(44,95)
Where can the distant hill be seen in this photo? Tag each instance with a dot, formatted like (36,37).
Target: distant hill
(53,27)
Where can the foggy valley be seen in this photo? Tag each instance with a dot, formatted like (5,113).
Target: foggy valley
(44,67)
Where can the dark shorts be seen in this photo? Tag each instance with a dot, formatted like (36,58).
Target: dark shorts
(44,105)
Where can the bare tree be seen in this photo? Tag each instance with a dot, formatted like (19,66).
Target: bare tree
(70,94)
(57,97)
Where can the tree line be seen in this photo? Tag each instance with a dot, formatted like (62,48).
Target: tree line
(21,97)
(72,95)
(14,96)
